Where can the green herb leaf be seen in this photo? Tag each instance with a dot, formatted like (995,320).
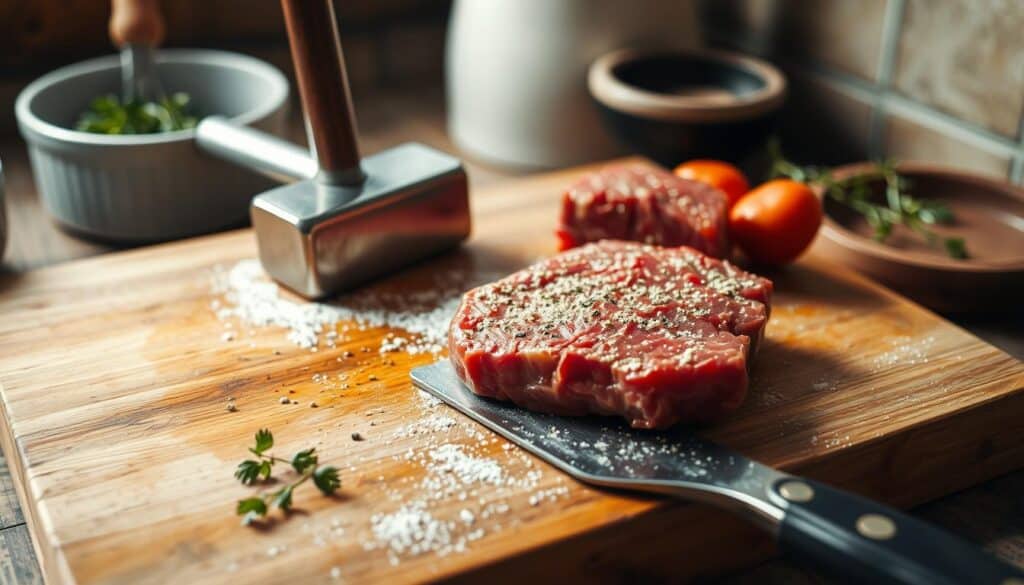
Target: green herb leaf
(935,212)
(251,510)
(326,479)
(956,248)
(893,194)
(283,498)
(303,460)
(305,463)
(264,441)
(265,466)
(248,471)
(881,225)
(254,506)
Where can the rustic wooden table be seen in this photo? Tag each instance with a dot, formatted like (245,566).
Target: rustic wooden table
(991,514)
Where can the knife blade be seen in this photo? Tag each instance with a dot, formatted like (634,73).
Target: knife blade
(850,537)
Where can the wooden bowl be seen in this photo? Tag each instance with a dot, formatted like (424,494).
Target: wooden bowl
(989,215)
(677,105)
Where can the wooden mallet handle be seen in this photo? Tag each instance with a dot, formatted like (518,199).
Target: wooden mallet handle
(323,85)
(136,22)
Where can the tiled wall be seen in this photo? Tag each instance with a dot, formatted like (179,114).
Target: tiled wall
(932,80)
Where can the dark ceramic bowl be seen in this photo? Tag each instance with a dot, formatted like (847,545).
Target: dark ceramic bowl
(989,216)
(678,105)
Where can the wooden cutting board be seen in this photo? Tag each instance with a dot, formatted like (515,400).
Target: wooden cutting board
(116,374)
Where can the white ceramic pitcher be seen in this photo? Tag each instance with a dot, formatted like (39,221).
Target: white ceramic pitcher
(516,72)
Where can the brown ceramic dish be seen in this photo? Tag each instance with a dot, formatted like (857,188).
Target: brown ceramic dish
(676,105)
(989,216)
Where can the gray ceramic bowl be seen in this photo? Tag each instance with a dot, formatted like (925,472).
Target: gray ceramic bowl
(152,187)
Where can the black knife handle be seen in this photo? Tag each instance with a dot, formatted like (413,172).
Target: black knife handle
(861,541)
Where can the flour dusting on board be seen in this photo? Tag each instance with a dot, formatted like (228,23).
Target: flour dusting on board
(248,295)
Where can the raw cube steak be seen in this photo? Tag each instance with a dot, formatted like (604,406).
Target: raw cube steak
(647,205)
(657,335)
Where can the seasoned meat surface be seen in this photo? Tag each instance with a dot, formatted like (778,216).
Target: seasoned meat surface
(647,205)
(657,335)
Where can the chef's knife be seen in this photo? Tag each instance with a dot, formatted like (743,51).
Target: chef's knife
(851,538)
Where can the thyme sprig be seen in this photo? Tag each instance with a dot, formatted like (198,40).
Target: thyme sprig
(900,208)
(305,463)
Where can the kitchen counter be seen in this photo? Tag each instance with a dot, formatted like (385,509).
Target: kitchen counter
(991,514)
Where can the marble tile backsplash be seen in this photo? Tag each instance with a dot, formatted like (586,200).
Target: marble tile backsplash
(908,137)
(932,80)
(965,57)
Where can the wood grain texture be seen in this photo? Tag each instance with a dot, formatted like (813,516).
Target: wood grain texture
(115,380)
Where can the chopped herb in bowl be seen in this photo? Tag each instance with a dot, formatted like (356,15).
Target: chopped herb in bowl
(107,115)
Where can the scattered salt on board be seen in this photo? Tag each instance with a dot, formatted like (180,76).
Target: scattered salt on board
(456,471)
(248,295)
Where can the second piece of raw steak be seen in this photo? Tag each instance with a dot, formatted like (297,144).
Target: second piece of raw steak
(644,204)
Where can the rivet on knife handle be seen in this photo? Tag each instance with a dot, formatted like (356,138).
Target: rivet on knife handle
(861,541)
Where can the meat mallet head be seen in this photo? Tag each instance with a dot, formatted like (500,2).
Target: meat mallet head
(356,219)
(318,238)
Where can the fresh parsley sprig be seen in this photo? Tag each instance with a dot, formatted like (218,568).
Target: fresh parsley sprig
(305,463)
(900,207)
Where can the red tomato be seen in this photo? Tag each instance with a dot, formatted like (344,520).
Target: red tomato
(775,222)
(565,240)
(722,175)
